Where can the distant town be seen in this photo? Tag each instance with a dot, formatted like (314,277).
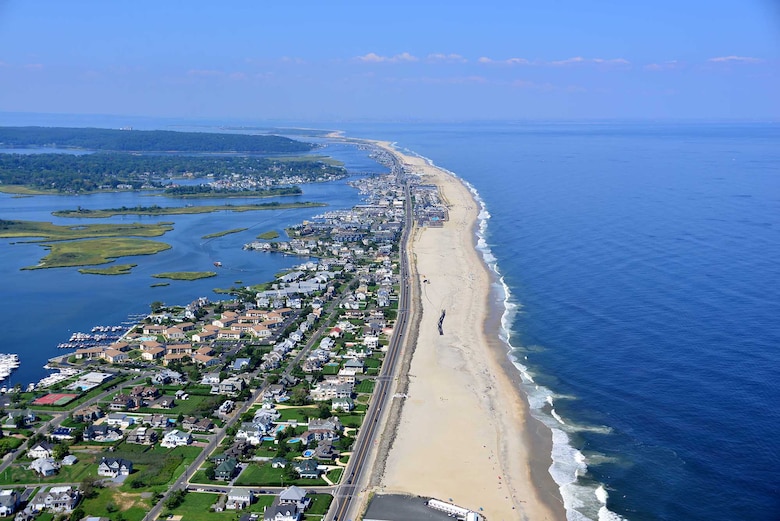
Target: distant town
(263,405)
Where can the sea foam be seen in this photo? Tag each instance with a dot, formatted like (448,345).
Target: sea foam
(582,501)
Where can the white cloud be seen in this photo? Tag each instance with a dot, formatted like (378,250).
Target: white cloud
(376,58)
(598,61)
(34,66)
(664,66)
(508,61)
(735,59)
(447,58)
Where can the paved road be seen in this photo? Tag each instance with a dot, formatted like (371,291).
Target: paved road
(345,507)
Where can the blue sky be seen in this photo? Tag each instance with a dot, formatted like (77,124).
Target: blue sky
(402,60)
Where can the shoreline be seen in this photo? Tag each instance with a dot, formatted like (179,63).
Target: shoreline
(461,382)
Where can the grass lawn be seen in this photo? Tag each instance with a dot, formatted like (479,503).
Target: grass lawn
(109,501)
(67,474)
(197,507)
(265,475)
(365,386)
(319,506)
(297,413)
(186,407)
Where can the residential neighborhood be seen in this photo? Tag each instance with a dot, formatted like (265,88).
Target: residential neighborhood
(267,388)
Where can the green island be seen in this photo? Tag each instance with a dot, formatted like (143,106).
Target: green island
(117,269)
(185,275)
(222,234)
(268,235)
(96,251)
(54,232)
(178,210)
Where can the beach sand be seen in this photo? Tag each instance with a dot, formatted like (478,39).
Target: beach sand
(465,432)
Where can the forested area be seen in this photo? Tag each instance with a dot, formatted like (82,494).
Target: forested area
(148,140)
(83,173)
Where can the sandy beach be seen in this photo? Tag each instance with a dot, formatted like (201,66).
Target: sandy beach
(464,433)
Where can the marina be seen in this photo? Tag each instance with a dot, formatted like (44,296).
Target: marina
(8,362)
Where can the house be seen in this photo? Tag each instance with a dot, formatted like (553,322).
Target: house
(355,365)
(295,496)
(206,360)
(279,463)
(114,357)
(325,450)
(123,402)
(9,502)
(329,424)
(102,433)
(142,436)
(342,404)
(167,376)
(153,353)
(170,358)
(307,469)
(57,499)
(62,433)
(45,466)
(232,385)
(69,460)
(238,499)
(239,364)
(114,467)
(40,450)
(176,438)
(93,412)
(226,470)
(120,420)
(282,513)
(157,421)
(204,336)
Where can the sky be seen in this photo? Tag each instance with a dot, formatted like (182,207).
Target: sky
(416,60)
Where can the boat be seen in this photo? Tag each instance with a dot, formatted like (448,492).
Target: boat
(218,264)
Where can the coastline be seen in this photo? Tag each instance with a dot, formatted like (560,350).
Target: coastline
(465,414)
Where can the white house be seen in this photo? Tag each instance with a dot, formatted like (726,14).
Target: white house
(40,450)
(176,438)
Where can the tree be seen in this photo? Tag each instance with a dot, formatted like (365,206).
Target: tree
(211,474)
(157,306)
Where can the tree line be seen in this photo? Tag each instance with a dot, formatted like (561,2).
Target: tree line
(148,140)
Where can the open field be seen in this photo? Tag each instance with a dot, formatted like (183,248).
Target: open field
(268,235)
(185,275)
(54,232)
(117,269)
(96,251)
(222,234)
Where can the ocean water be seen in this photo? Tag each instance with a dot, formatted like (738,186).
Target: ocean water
(640,268)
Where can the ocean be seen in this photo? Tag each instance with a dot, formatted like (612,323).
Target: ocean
(639,268)
(637,273)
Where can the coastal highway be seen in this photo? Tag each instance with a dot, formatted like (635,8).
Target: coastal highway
(344,506)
